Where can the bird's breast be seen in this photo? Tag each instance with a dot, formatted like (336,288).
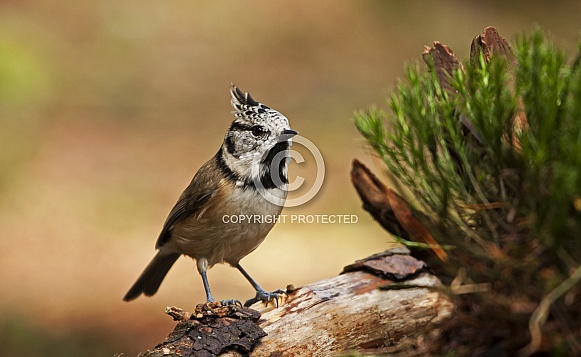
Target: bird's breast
(234,223)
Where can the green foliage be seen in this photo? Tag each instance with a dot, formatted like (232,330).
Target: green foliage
(496,163)
(535,170)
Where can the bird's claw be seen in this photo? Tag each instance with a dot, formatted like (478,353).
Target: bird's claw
(265,297)
(231,302)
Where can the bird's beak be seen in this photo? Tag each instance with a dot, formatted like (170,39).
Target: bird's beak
(287,134)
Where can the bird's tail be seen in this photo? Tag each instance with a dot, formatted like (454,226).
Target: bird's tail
(151,278)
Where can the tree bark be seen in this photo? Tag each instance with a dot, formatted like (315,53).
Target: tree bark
(378,305)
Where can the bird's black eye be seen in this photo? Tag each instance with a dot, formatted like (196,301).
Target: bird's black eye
(257,130)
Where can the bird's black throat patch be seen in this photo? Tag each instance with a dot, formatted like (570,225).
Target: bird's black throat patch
(268,163)
(267,178)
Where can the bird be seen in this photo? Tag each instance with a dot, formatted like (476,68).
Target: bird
(248,177)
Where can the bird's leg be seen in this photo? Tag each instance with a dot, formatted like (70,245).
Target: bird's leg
(202,267)
(209,297)
(261,294)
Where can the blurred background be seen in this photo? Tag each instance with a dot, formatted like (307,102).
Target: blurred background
(108,108)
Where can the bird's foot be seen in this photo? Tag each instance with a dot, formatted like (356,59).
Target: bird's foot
(231,302)
(265,297)
(214,303)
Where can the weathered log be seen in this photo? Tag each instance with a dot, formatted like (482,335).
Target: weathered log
(394,213)
(379,304)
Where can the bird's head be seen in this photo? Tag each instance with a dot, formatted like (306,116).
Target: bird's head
(256,137)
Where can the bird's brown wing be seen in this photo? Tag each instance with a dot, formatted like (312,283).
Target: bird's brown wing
(203,187)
